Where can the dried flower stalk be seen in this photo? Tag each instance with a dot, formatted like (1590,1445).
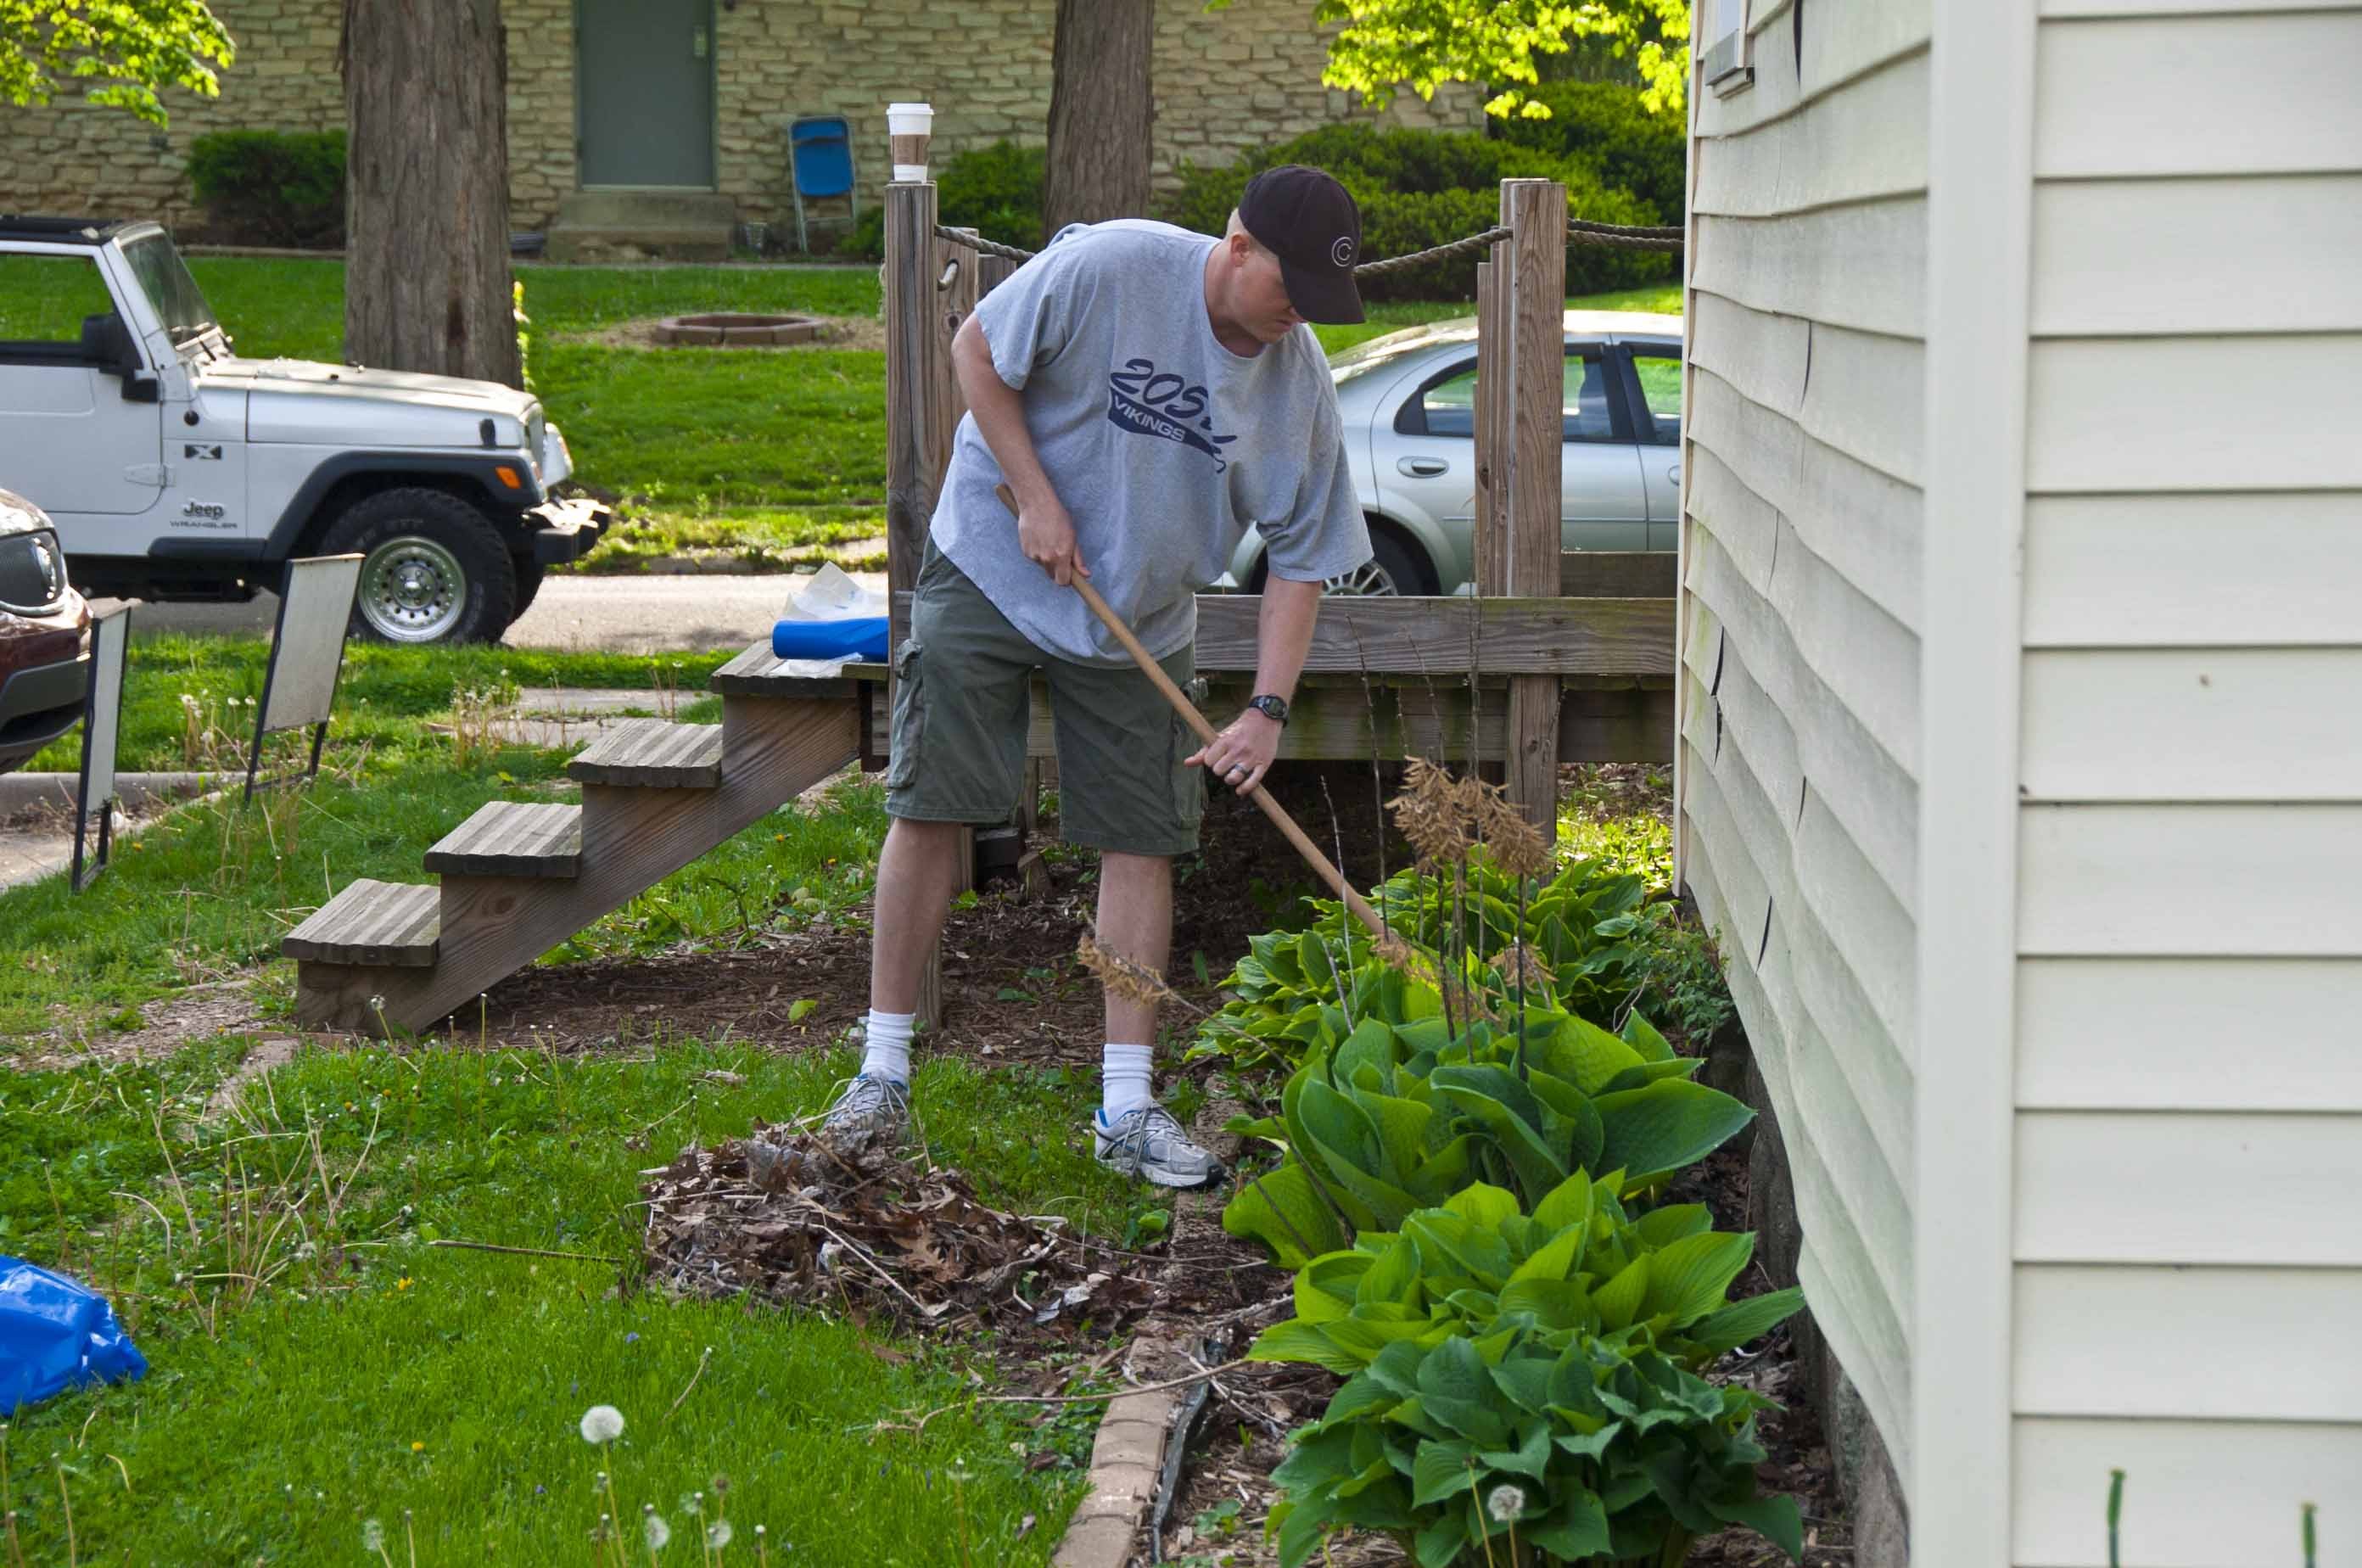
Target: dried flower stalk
(1122,977)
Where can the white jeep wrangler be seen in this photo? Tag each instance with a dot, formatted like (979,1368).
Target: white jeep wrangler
(175,470)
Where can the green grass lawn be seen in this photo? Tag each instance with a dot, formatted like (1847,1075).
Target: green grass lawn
(775,459)
(209,892)
(436,1391)
(378,1376)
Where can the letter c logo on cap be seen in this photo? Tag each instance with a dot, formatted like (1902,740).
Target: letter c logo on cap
(1341,253)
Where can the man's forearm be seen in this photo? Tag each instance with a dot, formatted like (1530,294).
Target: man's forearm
(1284,635)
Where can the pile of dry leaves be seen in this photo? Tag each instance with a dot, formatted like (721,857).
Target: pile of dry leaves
(790,1218)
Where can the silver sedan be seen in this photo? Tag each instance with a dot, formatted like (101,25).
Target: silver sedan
(1408,403)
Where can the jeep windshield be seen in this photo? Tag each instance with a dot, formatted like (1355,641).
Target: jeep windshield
(179,305)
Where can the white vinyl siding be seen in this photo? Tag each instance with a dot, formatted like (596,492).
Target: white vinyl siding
(2189,1058)
(1801,729)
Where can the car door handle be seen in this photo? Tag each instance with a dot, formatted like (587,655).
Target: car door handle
(1423,468)
(1674,473)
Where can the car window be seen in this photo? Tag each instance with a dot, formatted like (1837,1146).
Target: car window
(1660,372)
(1585,411)
(1447,407)
(44,298)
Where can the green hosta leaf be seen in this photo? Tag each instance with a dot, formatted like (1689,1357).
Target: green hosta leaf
(1575,1527)
(1359,1339)
(1395,1368)
(1440,1543)
(1328,1286)
(1773,1518)
(1531,1457)
(1554,1261)
(1663,1227)
(1394,1277)
(1372,1044)
(1641,1075)
(1282,1210)
(1455,1389)
(1618,1301)
(1538,1169)
(1315,961)
(1742,1321)
(1362,1393)
(1582,1444)
(1296,1340)
(1686,1279)
(1587,1056)
(1525,1379)
(1451,1248)
(1299,1533)
(1556,1305)
(1642,1036)
(1440,1469)
(1402,1127)
(1567,1203)
(1488,1207)
(1654,1131)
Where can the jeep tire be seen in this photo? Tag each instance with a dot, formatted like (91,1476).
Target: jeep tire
(529,573)
(434,568)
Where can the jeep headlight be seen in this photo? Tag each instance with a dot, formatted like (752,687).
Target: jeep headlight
(536,444)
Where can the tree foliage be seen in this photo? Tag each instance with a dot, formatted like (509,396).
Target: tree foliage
(1384,45)
(129,48)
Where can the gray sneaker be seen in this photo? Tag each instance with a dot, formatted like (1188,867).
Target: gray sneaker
(1147,1143)
(871,1109)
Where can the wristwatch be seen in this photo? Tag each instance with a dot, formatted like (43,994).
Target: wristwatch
(1270,707)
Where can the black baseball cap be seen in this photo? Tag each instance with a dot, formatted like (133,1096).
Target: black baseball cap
(1308,220)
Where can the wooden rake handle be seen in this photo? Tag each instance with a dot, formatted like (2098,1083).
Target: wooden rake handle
(1205,731)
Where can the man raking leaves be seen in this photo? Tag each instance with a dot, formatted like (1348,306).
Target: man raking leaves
(1146,394)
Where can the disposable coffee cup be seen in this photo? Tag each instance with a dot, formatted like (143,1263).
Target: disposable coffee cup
(908,126)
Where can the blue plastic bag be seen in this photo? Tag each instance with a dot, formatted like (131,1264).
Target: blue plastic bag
(56,1335)
(860,637)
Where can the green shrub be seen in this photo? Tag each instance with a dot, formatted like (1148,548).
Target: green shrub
(1555,1354)
(1602,125)
(264,187)
(1393,1115)
(995,190)
(1579,927)
(1418,189)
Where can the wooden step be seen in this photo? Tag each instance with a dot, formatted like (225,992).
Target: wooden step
(759,672)
(653,755)
(512,838)
(369,923)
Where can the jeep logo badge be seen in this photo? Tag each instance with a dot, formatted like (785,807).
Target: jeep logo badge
(204,509)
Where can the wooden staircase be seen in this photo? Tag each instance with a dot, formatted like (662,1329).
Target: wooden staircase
(515,879)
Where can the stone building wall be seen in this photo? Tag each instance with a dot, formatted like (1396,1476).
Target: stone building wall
(1224,81)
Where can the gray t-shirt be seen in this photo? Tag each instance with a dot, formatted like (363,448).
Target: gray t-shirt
(1164,446)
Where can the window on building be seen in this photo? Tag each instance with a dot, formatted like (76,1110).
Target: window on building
(1726,69)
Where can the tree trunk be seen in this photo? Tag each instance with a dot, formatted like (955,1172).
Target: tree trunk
(1100,111)
(426,279)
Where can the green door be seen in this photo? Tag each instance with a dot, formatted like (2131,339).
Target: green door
(643,92)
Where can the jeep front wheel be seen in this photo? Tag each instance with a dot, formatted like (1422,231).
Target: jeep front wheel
(433,568)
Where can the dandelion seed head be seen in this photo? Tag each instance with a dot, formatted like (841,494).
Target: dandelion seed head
(659,1533)
(1506,1503)
(601,1423)
(717,1534)
(372,1536)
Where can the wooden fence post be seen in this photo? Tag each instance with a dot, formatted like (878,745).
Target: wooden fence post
(1492,555)
(1535,211)
(918,439)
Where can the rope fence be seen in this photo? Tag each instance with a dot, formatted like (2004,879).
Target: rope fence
(1578,232)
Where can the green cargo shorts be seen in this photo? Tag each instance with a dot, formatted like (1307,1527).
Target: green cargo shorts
(964,680)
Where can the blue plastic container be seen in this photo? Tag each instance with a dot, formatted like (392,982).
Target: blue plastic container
(56,1335)
(855,637)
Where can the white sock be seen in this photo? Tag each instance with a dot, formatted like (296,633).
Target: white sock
(1124,1080)
(886,1045)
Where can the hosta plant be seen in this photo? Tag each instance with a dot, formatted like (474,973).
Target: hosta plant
(1528,1384)
(1385,1119)
(1466,929)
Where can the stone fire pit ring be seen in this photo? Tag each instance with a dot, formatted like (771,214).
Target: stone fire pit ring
(738,329)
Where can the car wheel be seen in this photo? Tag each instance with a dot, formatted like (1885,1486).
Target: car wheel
(529,573)
(1393,570)
(433,568)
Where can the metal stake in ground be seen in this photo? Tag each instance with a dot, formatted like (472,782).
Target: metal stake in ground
(1205,730)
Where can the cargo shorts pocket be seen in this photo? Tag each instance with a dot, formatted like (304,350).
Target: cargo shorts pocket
(910,714)
(1188,783)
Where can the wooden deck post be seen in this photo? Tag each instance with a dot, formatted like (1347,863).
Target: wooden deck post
(918,438)
(1492,554)
(1535,211)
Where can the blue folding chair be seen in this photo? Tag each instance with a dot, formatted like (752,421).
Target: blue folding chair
(820,168)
